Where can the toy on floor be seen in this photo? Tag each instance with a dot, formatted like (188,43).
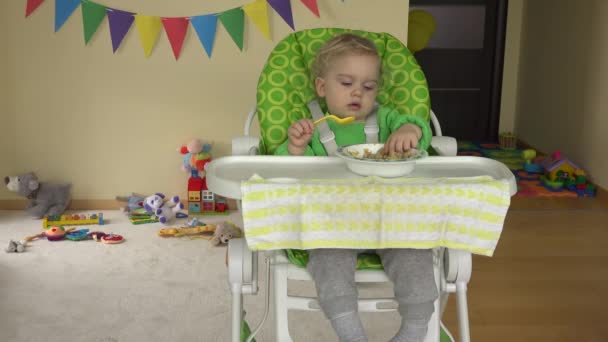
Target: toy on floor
(532,164)
(16,246)
(224,232)
(72,220)
(132,202)
(78,235)
(110,239)
(165,211)
(44,198)
(54,233)
(561,173)
(187,231)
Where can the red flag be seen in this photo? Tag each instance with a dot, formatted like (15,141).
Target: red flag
(176,29)
(31,6)
(312,6)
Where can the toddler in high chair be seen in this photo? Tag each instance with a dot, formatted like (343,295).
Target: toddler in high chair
(347,73)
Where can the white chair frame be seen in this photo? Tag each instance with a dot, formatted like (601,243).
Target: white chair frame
(452,268)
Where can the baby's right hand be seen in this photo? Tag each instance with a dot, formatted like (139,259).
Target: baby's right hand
(299,134)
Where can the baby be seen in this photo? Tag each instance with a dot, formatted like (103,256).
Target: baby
(347,73)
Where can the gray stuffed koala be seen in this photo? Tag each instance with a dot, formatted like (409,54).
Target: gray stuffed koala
(44,198)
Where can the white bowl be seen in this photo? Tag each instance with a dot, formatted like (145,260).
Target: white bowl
(377,167)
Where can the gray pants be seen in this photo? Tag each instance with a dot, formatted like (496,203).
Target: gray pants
(410,270)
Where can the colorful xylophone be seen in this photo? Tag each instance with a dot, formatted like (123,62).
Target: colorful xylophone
(72,220)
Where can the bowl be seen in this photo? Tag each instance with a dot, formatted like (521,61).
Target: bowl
(353,156)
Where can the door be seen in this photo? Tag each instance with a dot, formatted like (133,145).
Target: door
(463,65)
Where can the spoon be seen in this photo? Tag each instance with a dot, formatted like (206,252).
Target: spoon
(336,119)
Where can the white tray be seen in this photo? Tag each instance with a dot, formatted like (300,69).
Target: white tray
(225,174)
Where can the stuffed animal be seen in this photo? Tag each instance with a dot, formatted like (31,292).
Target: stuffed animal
(165,211)
(133,202)
(224,232)
(196,155)
(16,246)
(44,198)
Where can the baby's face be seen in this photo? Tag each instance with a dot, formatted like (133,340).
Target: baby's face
(350,85)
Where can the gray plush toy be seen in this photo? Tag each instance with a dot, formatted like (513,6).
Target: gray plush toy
(44,198)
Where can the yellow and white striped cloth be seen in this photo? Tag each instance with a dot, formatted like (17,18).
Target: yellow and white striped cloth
(372,213)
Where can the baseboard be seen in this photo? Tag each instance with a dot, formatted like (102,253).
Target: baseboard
(83,204)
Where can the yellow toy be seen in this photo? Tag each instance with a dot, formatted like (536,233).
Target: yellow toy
(71,220)
(421,26)
(198,231)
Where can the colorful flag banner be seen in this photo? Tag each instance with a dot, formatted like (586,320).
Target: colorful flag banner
(176,29)
(149,28)
(92,16)
(312,6)
(205,27)
(31,6)
(283,8)
(257,11)
(233,21)
(63,10)
(120,23)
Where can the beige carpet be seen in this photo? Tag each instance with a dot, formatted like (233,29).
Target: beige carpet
(146,289)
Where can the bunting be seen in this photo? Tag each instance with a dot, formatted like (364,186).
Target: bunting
(176,28)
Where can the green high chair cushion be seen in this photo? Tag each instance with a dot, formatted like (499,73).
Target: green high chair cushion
(286,86)
(365,261)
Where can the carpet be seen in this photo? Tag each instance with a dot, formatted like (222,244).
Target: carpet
(145,289)
(528,184)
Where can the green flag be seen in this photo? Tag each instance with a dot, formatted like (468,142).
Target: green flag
(92,15)
(233,20)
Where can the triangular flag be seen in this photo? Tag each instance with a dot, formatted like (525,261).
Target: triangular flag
(31,6)
(120,23)
(234,20)
(176,29)
(312,6)
(149,28)
(205,27)
(283,7)
(257,11)
(92,15)
(63,10)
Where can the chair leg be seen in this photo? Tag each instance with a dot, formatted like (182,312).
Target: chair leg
(280,303)
(237,314)
(463,311)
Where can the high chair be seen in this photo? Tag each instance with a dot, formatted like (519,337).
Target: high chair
(284,89)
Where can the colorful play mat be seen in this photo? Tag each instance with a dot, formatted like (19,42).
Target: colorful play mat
(528,184)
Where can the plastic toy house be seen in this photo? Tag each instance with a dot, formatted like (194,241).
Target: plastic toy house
(203,201)
(559,167)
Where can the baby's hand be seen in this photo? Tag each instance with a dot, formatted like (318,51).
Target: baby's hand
(299,134)
(403,139)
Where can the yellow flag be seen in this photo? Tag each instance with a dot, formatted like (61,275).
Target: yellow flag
(257,11)
(149,29)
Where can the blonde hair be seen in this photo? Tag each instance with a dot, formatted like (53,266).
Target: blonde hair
(341,45)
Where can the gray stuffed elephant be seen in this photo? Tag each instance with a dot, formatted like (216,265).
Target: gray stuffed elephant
(44,198)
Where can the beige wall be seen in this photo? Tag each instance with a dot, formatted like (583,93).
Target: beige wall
(508,104)
(564,81)
(7,154)
(110,123)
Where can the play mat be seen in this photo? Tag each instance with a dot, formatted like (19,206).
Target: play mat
(528,184)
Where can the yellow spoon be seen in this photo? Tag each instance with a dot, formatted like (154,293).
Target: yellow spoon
(336,119)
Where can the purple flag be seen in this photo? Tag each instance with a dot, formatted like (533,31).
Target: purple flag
(283,7)
(120,23)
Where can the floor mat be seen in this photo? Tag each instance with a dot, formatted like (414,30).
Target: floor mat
(528,184)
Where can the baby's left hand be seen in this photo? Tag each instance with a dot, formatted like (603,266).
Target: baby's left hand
(404,139)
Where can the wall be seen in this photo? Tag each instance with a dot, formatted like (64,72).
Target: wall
(110,124)
(508,105)
(7,156)
(563,82)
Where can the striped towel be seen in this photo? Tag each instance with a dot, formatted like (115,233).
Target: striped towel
(372,213)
